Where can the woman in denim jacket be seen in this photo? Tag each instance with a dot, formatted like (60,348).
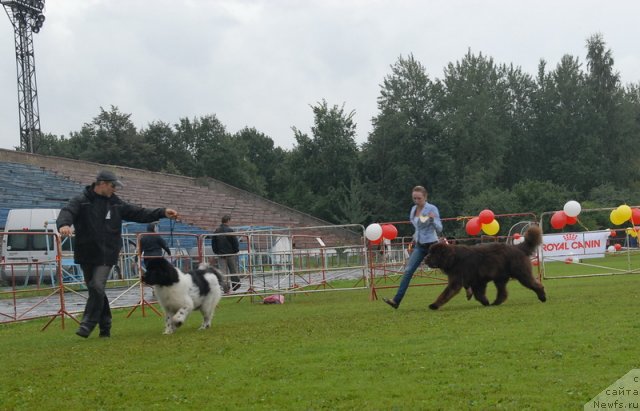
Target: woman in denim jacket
(425,218)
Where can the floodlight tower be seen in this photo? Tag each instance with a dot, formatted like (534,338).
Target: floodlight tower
(27,18)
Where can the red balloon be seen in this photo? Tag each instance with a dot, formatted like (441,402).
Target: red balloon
(635,216)
(618,247)
(389,231)
(558,220)
(516,236)
(612,233)
(376,242)
(486,216)
(571,220)
(473,226)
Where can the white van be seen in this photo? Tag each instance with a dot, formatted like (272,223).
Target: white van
(23,253)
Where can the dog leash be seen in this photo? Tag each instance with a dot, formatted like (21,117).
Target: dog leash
(172,224)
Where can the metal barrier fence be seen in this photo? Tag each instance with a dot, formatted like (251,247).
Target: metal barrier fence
(293,260)
(596,250)
(286,261)
(283,261)
(35,275)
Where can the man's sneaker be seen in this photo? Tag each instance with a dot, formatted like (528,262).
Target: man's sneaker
(83,332)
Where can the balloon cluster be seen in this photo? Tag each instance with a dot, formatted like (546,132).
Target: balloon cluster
(568,215)
(517,238)
(623,214)
(614,248)
(485,221)
(376,232)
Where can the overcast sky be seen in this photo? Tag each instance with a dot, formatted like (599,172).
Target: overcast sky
(263,63)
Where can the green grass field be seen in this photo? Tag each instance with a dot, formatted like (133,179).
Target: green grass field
(338,350)
(618,263)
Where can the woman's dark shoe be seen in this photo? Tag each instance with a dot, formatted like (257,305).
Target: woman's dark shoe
(391,303)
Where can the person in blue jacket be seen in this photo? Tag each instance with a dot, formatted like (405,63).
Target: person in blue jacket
(425,218)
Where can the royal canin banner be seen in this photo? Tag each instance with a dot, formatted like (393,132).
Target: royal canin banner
(589,244)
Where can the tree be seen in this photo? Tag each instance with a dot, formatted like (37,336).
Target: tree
(560,123)
(48,144)
(402,150)
(203,138)
(521,147)
(322,166)
(261,159)
(612,129)
(111,138)
(350,205)
(171,154)
(213,150)
(485,135)
(476,128)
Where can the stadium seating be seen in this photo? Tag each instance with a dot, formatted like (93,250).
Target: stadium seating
(36,181)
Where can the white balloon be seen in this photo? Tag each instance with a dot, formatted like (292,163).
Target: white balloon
(572,208)
(373,232)
(611,249)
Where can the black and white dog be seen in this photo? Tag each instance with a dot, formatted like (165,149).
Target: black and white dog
(179,293)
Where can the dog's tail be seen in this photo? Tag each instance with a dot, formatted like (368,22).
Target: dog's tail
(532,240)
(221,280)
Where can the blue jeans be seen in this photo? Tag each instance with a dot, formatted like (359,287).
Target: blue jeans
(417,255)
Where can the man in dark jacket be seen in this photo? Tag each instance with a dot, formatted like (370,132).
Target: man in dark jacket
(152,245)
(97,215)
(226,246)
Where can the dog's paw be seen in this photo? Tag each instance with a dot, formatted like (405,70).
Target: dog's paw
(168,332)
(469,292)
(204,326)
(433,306)
(179,318)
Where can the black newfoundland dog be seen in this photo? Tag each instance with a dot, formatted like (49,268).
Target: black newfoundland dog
(473,267)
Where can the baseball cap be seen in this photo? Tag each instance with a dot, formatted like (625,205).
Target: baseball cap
(106,175)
